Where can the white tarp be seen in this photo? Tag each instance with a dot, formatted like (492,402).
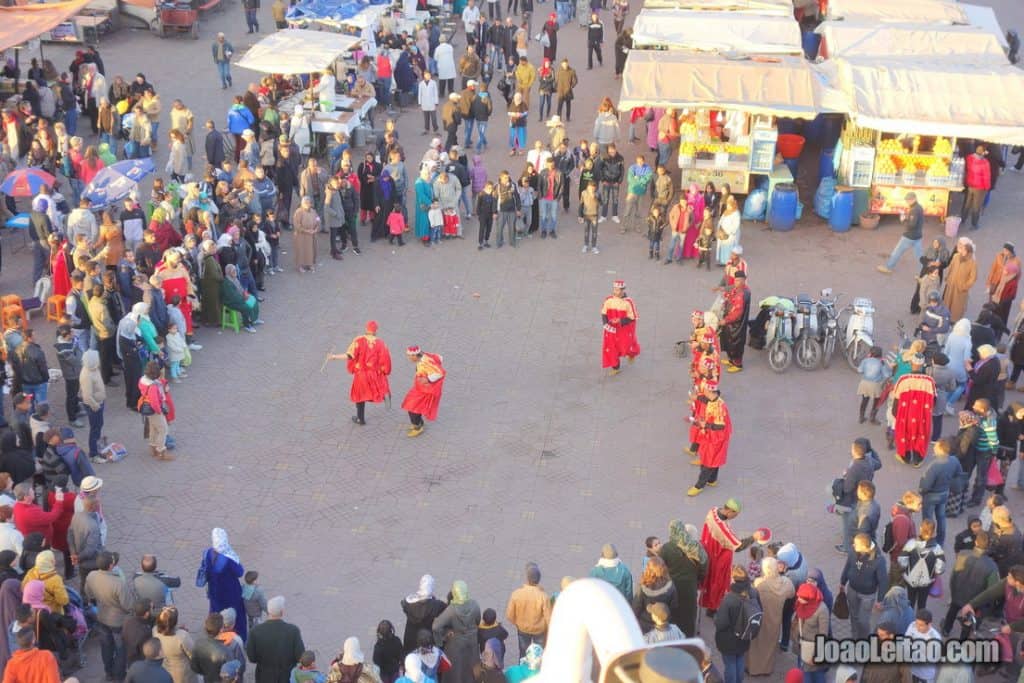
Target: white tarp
(985,18)
(778,8)
(296,51)
(903,11)
(926,98)
(782,85)
(717,32)
(858,38)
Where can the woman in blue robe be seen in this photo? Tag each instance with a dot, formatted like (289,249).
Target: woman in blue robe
(220,572)
(424,197)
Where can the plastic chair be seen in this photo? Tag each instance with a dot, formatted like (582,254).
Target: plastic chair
(55,307)
(230,319)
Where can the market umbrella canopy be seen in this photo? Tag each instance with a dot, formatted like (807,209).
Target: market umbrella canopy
(718,31)
(21,23)
(26,182)
(781,86)
(296,51)
(913,11)
(780,8)
(115,182)
(862,38)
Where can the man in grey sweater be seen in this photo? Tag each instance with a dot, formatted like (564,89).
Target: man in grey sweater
(107,588)
(85,537)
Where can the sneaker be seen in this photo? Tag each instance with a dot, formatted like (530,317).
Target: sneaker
(585,249)
(602,219)
(595,250)
(77,423)
(554,235)
(250,328)
(195,347)
(543,235)
(98,460)
(841,550)
(615,218)
(355,250)
(883,269)
(735,368)
(258,321)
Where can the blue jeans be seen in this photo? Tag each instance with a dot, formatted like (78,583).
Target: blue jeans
(248,281)
(934,508)
(733,667)
(110,140)
(819,676)
(71,121)
(664,149)
(548,216)
(224,71)
(112,650)
(545,105)
(384,90)
(677,239)
(38,392)
(955,395)
(467,141)
(481,135)
(95,429)
(517,138)
(466,201)
(527,639)
(901,247)
(609,199)
(154,130)
(77,186)
(848,522)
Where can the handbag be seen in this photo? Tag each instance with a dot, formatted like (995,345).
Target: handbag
(995,474)
(444,665)
(806,646)
(201,572)
(936,588)
(841,606)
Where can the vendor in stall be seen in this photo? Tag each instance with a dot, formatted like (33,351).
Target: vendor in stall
(324,90)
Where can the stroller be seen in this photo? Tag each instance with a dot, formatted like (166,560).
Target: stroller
(85,619)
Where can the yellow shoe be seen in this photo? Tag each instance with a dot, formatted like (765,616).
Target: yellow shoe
(734,368)
(414,432)
(695,461)
(631,359)
(694,491)
(712,483)
(614,371)
(726,362)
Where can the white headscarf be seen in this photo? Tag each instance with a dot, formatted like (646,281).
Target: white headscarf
(413,668)
(425,592)
(352,653)
(962,328)
(221,545)
(769,567)
(140,311)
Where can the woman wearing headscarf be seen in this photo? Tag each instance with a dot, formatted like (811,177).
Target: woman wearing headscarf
(306,224)
(10,601)
(7,568)
(173,279)
(455,631)
(773,590)
(984,377)
(413,666)
(810,620)
(896,609)
(654,586)
(50,627)
(350,665)
(234,296)
(490,668)
(962,273)
(368,172)
(958,350)
(387,193)
(729,229)
(45,570)
(528,666)
(424,197)
(687,562)
(220,571)
(421,608)
(695,200)
(210,277)
(157,407)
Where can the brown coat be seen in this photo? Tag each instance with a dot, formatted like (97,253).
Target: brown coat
(565,81)
(112,240)
(469,66)
(306,224)
(960,277)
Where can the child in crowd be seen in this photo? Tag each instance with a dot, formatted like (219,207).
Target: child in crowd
(396,225)
(253,598)
(436,219)
(486,206)
(705,241)
(756,555)
(489,628)
(451,223)
(656,221)
(873,373)
(177,351)
(388,652)
(305,671)
(69,354)
(527,197)
(273,230)
(927,283)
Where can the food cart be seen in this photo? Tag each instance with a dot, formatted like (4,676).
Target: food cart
(730,109)
(705,31)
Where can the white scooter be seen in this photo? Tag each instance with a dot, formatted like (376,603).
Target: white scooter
(860,330)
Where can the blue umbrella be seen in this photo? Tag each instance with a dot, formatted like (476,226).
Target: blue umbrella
(116,181)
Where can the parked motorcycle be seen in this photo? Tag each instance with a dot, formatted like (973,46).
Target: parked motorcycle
(807,349)
(779,328)
(860,330)
(828,324)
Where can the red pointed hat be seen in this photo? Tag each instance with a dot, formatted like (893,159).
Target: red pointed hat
(413,350)
(619,284)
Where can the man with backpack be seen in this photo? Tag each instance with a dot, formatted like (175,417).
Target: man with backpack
(898,530)
(737,622)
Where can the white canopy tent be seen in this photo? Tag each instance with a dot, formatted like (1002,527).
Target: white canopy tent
(985,18)
(781,86)
(922,97)
(296,51)
(904,11)
(778,8)
(855,38)
(717,32)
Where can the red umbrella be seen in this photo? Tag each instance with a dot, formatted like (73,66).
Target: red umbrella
(26,182)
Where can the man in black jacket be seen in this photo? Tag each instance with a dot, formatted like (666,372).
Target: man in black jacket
(29,364)
(274,646)
(729,629)
(595,36)
(208,654)
(611,169)
(867,577)
(973,572)
(486,210)
(214,145)
(565,162)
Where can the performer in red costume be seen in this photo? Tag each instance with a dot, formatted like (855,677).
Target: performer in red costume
(913,398)
(713,435)
(708,374)
(619,316)
(720,543)
(369,363)
(424,397)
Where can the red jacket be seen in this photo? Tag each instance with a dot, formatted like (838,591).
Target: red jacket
(29,518)
(979,173)
(61,524)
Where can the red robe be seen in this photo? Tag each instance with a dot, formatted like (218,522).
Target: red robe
(620,340)
(425,396)
(173,284)
(732,268)
(369,363)
(719,542)
(61,279)
(713,439)
(697,407)
(914,395)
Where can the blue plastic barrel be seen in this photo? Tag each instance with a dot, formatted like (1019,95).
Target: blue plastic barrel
(782,215)
(842,209)
(826,166)
(811,41)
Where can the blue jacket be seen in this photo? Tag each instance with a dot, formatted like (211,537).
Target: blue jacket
(239,119)
(227,49)
(617,575)
(940,475)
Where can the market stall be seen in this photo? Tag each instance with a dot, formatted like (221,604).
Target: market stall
(985,18)
(856,38)
(905,11)
(906,116)
(780,8)
(730,108)
(716,32)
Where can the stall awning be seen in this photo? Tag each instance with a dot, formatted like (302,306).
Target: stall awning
(904,11)
(295,51)
(859,38)
(779,8)
(25,22)
(717,32)
(925,98)
(782,86)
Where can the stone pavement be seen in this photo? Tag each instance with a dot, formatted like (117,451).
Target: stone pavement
(536,454)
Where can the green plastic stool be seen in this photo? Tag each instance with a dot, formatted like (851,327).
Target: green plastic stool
(230,319)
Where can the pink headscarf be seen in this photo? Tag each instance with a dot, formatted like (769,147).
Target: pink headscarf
(33,595)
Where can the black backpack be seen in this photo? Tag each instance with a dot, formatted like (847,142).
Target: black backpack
(888,542)
(748,624)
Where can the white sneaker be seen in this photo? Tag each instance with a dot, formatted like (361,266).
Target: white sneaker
(595,251)
(585,249)
(195,347)
(616,219)
(602,219)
